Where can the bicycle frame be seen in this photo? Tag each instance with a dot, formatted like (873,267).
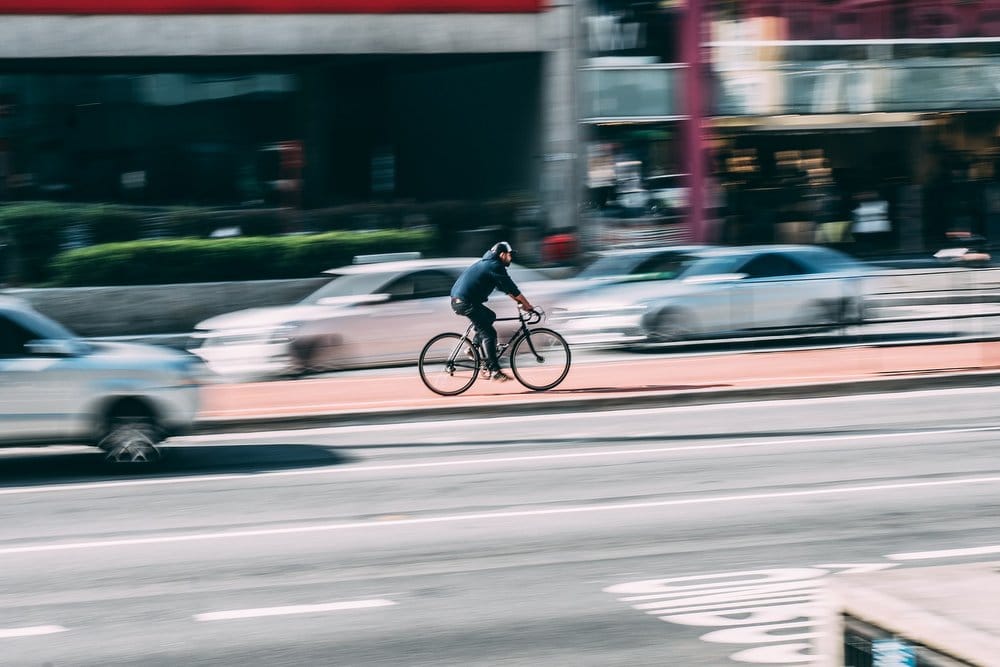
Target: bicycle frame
(521,332)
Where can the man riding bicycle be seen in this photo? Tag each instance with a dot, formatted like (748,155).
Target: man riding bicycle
(474,287)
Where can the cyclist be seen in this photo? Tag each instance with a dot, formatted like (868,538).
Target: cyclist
(474,287)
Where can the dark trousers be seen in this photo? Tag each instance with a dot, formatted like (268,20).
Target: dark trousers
(483,319)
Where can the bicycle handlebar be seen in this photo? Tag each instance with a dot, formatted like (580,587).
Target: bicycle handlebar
(533,316)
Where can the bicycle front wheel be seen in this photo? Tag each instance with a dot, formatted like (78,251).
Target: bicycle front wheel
(541,359)
(449,364)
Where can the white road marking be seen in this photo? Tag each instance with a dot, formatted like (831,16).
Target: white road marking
(389,467)
(946,553)
(294,609)
(33,631)
(488,516)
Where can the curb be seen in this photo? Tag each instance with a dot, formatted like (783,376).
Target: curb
(621,401)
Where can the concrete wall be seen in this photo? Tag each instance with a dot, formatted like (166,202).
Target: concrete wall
(158,309)
(241,35)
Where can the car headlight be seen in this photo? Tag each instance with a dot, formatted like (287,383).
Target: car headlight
(283,334)
(606,311)
(249,336)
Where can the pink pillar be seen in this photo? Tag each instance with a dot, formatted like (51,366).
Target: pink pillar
(694,140)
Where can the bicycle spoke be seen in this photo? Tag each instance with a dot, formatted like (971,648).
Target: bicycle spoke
(448,364)
(543,363)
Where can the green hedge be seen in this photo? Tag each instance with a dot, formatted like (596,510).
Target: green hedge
(209,260)
(34,233)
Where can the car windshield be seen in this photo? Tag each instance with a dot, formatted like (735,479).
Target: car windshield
(43,327)
(709,266)
(826,259)
(661,265)
(355,284)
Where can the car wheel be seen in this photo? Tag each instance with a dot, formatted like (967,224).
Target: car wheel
(834,314)
(667,326)
(302,352)
(854,310)
(131,438)
(315,355)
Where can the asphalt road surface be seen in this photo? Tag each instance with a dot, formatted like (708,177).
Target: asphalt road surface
(681,536)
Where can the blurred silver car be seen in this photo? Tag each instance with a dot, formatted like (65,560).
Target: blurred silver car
(369,314)
(57,388)
(695,292)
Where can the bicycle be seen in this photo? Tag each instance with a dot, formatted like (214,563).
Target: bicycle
(540,358)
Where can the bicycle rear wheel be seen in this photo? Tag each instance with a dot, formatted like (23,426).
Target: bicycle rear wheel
(541,363)
(449,364)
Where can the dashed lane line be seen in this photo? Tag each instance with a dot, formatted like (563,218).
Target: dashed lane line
(945,553)
(32,631)
(235,614)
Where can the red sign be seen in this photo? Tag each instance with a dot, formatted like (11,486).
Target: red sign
(269,6)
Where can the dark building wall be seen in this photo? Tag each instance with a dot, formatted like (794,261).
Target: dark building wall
(467,128)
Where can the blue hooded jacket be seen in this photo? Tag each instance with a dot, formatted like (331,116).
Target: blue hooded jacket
(479,280)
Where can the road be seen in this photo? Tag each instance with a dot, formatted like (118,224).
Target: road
(598,538)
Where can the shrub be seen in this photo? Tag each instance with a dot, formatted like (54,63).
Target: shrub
(167,261)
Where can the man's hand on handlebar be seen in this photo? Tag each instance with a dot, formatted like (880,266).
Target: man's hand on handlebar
(523,303)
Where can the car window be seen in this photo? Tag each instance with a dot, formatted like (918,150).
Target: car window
(401,288)
(349,285)
(705,266)
(661,267)
(610,265)
(826,259)
(428,284)
(13,338)
(771,266)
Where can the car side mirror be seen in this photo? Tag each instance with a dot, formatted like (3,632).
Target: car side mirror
(57,347)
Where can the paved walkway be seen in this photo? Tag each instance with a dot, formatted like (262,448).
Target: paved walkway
(638,379)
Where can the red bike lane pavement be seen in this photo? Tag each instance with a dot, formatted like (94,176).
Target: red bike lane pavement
(402,389)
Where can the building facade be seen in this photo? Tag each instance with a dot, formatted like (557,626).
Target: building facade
(641,120)
(298,103)
(806,110)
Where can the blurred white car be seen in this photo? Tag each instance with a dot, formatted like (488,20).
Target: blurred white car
(369,314)
(57,388)
(705,292)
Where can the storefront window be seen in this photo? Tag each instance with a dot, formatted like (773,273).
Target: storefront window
(631,106)
(630,92)
(641,31)
(155,138)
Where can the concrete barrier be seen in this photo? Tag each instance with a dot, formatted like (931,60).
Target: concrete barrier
(897,281)
(158,309)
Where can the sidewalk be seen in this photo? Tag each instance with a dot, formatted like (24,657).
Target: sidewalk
(399,395)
